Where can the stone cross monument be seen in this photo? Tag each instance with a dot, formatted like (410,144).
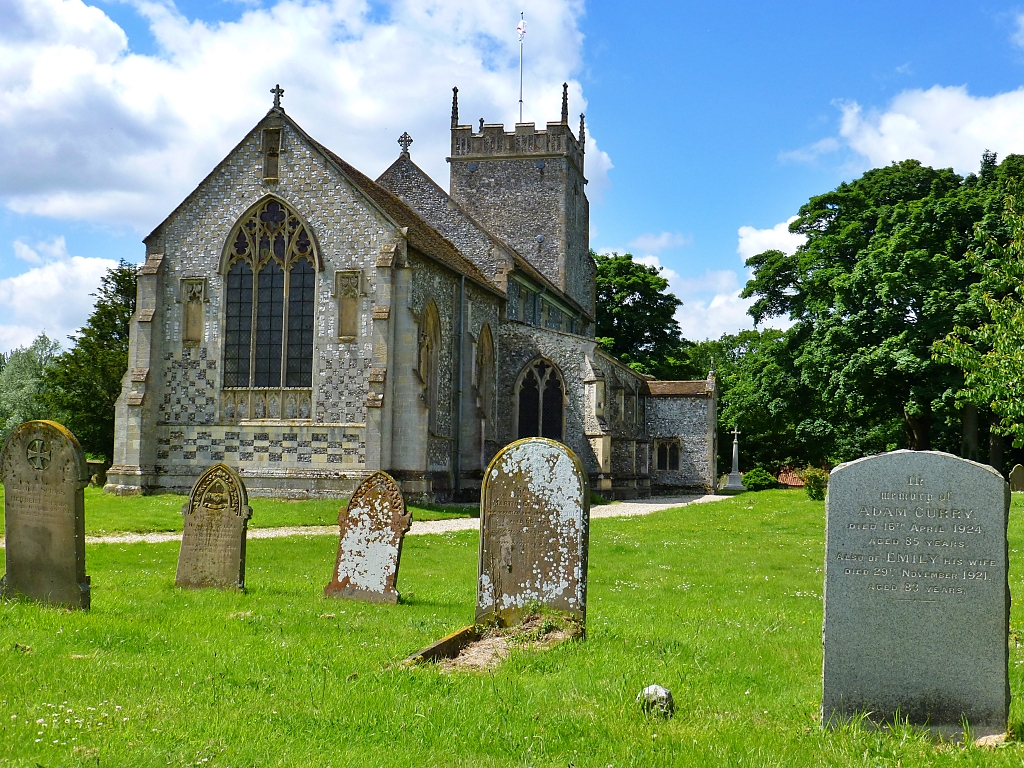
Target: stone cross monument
(735,484)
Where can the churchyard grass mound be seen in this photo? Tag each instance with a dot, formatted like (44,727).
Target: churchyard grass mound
(107,514)
(720,603)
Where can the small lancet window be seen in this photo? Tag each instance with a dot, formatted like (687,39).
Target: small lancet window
(662,457)
(673,457)
(271,153)
(429,351)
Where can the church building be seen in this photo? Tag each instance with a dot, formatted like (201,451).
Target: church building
(308,325)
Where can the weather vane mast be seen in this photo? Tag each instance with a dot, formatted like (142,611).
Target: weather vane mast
(278,92)
(521,29)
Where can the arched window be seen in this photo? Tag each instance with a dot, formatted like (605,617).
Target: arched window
(540,401)
(485,371)
(269,293)
(429,350)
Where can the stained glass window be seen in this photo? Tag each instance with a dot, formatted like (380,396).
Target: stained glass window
(270,288)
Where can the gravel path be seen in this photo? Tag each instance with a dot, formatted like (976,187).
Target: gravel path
(623,509)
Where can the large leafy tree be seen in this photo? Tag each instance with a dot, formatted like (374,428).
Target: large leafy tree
(881,276)
(84,382)
(22,384)
(636,316)
(991,354)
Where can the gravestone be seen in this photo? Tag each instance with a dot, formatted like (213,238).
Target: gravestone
(370,545)
(916,594)
(534,533)
(1017,478)
(43,471)
(213,543)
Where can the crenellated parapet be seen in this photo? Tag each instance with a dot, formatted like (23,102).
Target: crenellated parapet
(492,140)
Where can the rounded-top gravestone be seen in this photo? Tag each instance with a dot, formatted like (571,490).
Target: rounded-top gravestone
(372,528)
(534,532)
(917,601)
(44,474)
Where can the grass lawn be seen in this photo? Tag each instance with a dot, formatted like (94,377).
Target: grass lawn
(105,513)
(720,602)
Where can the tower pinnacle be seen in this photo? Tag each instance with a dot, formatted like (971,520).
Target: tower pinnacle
(455,107)
(565,103)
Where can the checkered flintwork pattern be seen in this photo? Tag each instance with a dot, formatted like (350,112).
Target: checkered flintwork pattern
(254,448)
(341,386)
(190,395)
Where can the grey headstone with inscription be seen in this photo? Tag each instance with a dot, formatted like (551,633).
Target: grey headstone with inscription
(213,543)
(534,532)
(916,594)
(44,474)
(373,526)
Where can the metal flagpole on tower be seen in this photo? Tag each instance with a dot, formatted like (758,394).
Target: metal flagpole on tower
(521,29)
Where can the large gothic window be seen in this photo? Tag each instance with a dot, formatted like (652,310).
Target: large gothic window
(270,288)
(540,401)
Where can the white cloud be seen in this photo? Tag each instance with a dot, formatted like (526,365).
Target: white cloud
(93,131)
(650,243)
(53,298)
(55,248)
(1018,36)
(812,152)
(753,241)
(943,126)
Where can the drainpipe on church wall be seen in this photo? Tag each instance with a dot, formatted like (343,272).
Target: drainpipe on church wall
(457,480)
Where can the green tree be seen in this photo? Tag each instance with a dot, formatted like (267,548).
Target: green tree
(84,382)
(991,355)
(882,275)
(636,316)
(22,384)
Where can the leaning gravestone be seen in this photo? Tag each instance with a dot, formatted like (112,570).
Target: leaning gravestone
(917,600)
(534,532)
(213,543)
(370,546)
(43,471)
(1017,478)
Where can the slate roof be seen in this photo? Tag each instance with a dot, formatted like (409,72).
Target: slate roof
(521,263)
(422,236)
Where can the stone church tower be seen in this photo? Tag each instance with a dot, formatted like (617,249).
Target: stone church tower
(527,187)
(309,325)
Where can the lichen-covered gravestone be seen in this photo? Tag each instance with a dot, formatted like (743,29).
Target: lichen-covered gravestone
(44,474)
(213,543)
(534,533)
(370,546)
(917,600)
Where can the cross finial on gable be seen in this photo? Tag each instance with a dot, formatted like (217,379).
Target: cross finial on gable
(404,141)
(278,92)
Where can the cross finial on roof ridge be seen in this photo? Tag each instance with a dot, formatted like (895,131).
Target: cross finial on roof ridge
(404,141)
(278,92)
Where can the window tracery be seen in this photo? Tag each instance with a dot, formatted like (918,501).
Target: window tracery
(540,401)
(270,289)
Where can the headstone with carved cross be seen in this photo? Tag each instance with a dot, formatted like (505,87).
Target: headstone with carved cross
(534,533)
(373,526)
(43,471)
(213,543)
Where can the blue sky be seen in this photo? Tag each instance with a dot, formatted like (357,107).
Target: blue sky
(709,123)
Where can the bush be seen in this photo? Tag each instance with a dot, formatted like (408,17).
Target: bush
(758,479)
(816,482)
